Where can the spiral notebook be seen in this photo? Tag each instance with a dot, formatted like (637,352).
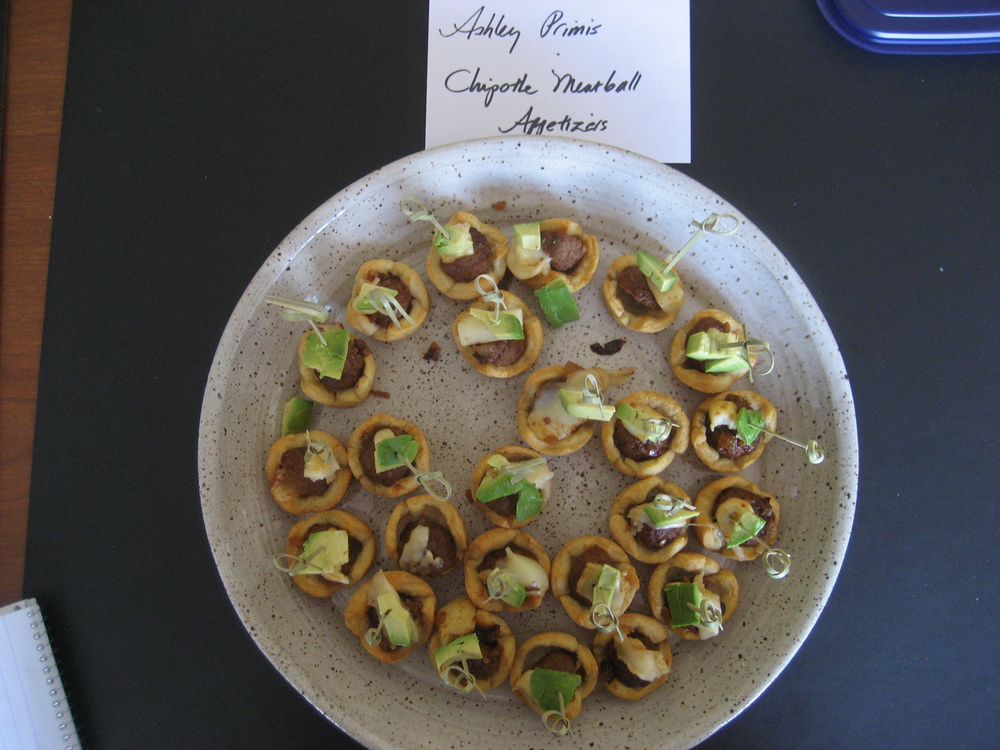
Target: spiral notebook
(34,714)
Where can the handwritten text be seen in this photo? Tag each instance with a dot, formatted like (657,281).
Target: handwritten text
(473,26)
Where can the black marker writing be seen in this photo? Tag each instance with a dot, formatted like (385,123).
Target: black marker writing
(566,83)
(528,124)
(472,26)
(458,82)
(554,25)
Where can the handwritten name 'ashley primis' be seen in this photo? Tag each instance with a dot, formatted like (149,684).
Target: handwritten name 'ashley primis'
(468,81)
(553,26)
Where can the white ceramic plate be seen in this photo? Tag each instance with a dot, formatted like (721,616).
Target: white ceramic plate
(630,203)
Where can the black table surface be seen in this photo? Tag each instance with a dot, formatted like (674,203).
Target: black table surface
(197,135)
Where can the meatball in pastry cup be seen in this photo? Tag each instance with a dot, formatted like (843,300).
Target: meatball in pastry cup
(703,571)
(285,470)
(541,419)
(411,295)
(639,456)
(502,359)
(721,504)
(513,553)
(352,387)
(635,532)
(575,570)
(360,551)
(566,253)
(361,455)
(713,430)
(634,304)
(560,652)
(361,615)
(637,663)
(692,372)
(503,510)
(456,278)
(425,536)
(460,617)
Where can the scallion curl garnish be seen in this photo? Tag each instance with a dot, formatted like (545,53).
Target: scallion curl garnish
(708,613)
(605,620)
(711,224)
(421,213)
(373,636)
(318,449)
(784,560)
(670,504)
(500,583)
(293,564)
(387,304)
(522,469)
(749,423)
(756,347)
(556,721)
(299,309)
(433,482)
(494,295)
(461,672)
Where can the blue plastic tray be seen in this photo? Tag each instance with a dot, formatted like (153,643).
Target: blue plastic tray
(930,27)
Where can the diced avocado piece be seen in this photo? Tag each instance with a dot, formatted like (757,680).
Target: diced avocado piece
(557,303)
(547,685)
(528,236)
(655,270)
(456,243)
(679,595)
(529,501)
(705,345)
(326,551)
(396,622)
(573,404)
(660,519)
(745,529)
(749,423)
(327,355)
(464,647)
(509,327)
(634,421)
(492,488)
(296,415)
(391,452)
(727,364)
(607,584)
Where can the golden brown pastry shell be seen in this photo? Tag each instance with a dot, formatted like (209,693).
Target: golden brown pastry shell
(419,306)
(489,541)
(584,270)
(621,528)
(652,323)
(356,614)
(460,617)
(437,511)
(315,584)
(314,389)
(532,650)
(582,433)
(533,337)
(706,382)
(699,432)
(655,631)
(664,405)
(405,485)
(707,531)
(683,567)
(288,499)
(563,588)
(467,289)
(514,454)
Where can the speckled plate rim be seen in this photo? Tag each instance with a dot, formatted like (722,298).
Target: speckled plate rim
(543,150)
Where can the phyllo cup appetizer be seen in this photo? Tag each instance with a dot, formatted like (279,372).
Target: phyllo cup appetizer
(307,471)
(392,613)
(328,551)
(725,430)
(382,450)
(692,595)
(498,335)
(506,570)
(472,649)
(637,661)
(736,518)
(467,248)
(701,354)
(425,536)
(337,369)
(511,485)
(389,300)
(638,297)
(558,406)
(645,434)
(552,673)
(544,251)
(651,519)
(594,581)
